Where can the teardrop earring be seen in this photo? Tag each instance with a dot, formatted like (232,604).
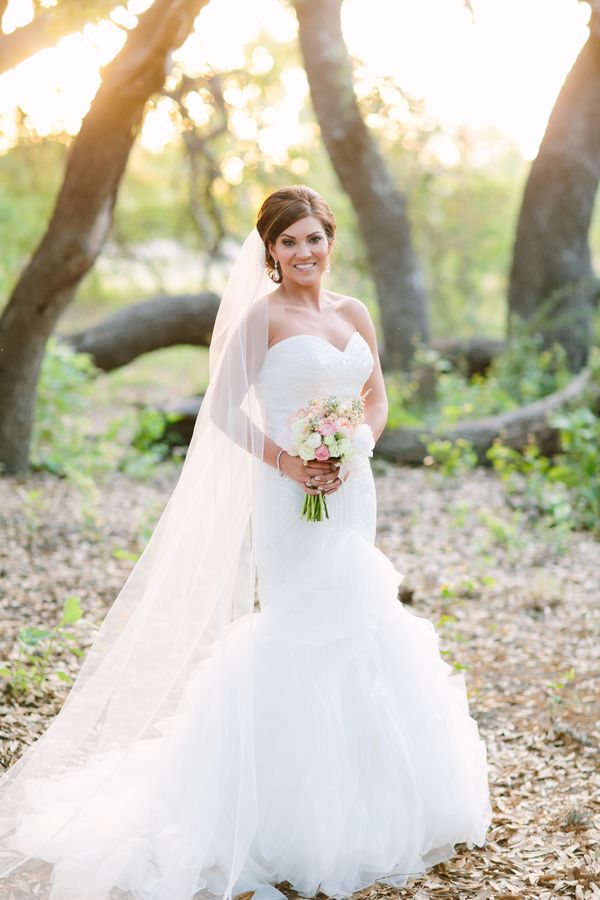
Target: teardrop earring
(327,267)
(276,275)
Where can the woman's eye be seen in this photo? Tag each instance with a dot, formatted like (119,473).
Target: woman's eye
(287,243)
(316,238)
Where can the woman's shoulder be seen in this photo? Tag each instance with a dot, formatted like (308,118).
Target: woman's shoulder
(351,307)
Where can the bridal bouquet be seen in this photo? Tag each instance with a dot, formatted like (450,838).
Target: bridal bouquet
(327,429)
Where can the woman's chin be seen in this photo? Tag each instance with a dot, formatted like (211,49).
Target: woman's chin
(303,278)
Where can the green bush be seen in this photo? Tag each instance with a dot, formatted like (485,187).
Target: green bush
(525,371)
(68,443)
(451,457)
(37,647)
(62,430)
(564,490)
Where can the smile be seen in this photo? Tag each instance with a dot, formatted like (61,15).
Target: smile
(304,266)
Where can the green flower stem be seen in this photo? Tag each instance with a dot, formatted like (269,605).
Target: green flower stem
(314,507)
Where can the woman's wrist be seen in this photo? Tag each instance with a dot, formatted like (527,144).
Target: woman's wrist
(278,460)
(271,452)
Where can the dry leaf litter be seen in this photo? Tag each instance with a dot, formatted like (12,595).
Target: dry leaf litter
(515,604)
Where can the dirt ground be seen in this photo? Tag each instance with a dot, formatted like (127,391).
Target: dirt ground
(515,604)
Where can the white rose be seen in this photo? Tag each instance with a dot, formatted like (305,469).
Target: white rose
(298,432)
(305,451)
(313,440)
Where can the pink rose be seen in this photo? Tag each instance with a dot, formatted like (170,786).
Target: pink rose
(327,426)
(322,453)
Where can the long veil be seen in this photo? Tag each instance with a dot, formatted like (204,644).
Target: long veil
(194,582)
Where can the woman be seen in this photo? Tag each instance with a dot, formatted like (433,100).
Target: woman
(257,706)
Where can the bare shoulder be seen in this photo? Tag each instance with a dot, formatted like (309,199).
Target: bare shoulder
(276,314)
(356,312)
(258,312)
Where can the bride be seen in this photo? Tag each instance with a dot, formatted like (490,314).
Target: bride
(258,706)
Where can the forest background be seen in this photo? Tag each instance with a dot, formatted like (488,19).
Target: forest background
(474,240)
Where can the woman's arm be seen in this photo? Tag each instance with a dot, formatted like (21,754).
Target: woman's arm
(240,365)
(376,401)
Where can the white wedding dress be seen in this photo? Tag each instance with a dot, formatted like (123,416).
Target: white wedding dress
(366,763)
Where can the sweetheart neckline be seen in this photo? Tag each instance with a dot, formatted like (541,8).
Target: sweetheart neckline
(318,338)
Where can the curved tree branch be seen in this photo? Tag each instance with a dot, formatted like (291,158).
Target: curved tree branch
(409,445)
(19,45)
(45,30)
(150,325)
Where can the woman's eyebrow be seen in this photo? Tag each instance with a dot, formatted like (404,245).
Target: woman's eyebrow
(308,235)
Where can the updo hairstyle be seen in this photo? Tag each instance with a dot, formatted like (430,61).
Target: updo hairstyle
(285,206)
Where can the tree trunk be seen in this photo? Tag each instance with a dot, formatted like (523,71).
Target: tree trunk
(150,325)
(83,214)
(552,284)
(379,205)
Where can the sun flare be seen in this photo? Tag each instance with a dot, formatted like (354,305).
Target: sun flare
(493,66)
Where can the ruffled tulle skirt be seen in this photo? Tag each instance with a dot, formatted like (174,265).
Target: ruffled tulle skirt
(363,764)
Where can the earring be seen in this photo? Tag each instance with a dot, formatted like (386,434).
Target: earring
(276,276)
(327,267)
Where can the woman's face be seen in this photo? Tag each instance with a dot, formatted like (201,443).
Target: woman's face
(302,251)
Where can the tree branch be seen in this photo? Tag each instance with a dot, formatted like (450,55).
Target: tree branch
(151,325)
(83,213)
(409,445)
(44,31)
(203,166)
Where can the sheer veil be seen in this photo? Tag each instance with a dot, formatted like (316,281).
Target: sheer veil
(192,586)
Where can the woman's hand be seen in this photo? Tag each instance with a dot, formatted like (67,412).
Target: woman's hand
(323,475)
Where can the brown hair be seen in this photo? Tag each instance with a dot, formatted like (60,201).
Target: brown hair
(287,205)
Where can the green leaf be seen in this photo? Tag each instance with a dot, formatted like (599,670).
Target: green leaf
(32,636)
(72,611)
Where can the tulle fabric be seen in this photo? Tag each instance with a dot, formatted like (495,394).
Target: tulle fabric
(196,576)
(368,766)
